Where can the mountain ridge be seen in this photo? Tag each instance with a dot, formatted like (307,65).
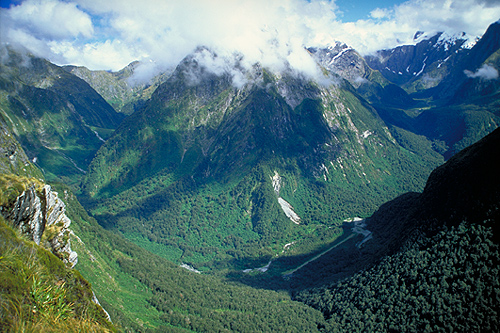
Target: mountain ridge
(58,118)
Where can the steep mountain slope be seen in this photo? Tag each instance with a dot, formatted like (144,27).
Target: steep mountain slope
(449,69)
(212,171)
(445,277)
(140,291)
(124,90)
(460,108)
(342,60)
(423,65)
(38,293)
(39,290)
(477,74)
(58,118)
(13,159)
(144,292)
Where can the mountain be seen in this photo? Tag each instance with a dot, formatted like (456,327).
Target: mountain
(58,118)
(219,199)
(476,75)
(457,109)
(145,292)
(125,90)
(247,161)
(424,64)
(344,61)
(449,69)
(445,268)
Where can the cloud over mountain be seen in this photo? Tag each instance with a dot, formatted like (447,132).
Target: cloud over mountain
(486,72)
(110,34)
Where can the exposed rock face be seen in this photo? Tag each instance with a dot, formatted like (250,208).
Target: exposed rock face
(342,60)
(27,215)
(41,216)
(285,206)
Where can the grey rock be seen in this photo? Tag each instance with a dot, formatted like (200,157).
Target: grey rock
(27,215)
(35,213)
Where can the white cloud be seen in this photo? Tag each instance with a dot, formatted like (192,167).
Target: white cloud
(103,55)
(51,19)
(110,34)
(397,25)
(486,72)
(379,13)
(268,32)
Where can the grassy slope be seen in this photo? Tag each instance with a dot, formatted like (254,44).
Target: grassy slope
(37,292)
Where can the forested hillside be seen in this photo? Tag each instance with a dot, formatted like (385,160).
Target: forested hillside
(445,276)
(141,290)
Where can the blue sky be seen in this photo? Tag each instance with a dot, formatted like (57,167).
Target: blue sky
(353,11)
(109,34)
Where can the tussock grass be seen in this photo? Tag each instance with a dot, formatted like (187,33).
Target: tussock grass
(11,186)
(39,294)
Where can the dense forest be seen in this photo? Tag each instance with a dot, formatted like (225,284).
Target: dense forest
(449,282)
(444,274)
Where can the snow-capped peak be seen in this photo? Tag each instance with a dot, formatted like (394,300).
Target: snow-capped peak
(423,35)
(446,39)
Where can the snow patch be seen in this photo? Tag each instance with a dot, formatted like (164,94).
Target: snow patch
(285,206)
(288,209)
(98,136)
(423,67)
(339,55)
(287,246)
(276,179)
(366,134)
(190,268)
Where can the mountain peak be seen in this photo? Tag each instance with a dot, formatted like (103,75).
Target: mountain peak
(445,39)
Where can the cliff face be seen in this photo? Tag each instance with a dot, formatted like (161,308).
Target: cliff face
(40,215)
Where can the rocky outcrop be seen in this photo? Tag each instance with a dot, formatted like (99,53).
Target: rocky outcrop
(40,215)
(285,206)
(344,61)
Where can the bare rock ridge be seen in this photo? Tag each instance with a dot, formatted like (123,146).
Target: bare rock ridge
(41,216)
